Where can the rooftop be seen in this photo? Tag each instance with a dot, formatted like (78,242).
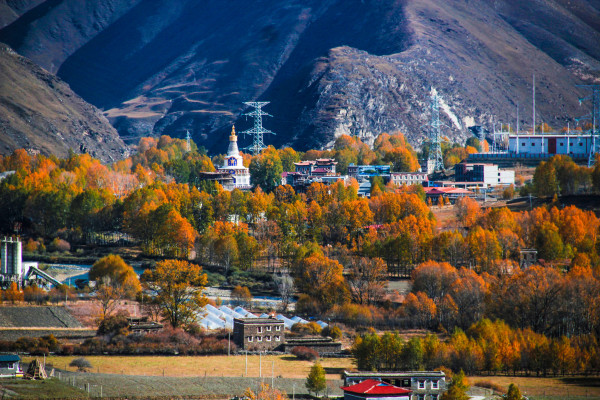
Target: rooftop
(270,320)
(372,386)
(395,374)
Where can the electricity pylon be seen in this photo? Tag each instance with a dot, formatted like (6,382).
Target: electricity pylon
(435,147)
(257,131)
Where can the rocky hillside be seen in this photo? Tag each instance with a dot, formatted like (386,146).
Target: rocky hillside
(40,113)
(328,66)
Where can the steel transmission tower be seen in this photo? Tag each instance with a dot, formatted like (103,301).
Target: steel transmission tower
(435,160)
(257,131)
(594,116)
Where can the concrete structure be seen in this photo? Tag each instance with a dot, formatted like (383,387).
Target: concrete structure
(409,178)
(368,170)
(551,143)
(258,333)
(527,257)
(234,164)
(372,389)
(484,174)
(319,344)
(424,385)
(10,366)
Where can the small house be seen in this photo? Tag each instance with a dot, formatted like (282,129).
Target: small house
(258,333)
(10,366)
(372,389)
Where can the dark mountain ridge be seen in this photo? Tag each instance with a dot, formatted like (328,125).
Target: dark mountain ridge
(328,67)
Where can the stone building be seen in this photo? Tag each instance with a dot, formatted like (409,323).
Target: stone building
(258,333)
(424,385)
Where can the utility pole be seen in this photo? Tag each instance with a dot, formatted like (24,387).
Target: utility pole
(257,131)
(533,131)
(228,344)
(594,116)
(517,130)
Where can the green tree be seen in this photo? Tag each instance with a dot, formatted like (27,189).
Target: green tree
(545,182)
(315,382)
(178,286)
(266,169)
(513,392)
(457,390)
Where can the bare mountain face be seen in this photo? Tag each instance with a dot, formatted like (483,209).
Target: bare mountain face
(329,67)
(40,113)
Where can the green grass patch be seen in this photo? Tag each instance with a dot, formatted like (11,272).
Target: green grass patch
(39,389)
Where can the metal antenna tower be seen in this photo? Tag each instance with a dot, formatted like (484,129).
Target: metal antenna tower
(595,117)
(435,148)
(257,131)
(188,141)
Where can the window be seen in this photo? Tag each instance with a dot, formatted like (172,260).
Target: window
(581,144)
(277,328)
(523,144)
(406,383)
(434,385)
(268,338)
(259,338)
(421,397)
(532,144)
(268,329)
(259,330)
(421,384)
(434,397)
(562,144)
(571,144)
(250,338)
(277,338)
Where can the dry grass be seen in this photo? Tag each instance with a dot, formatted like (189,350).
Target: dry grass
(282,365)
(548,387)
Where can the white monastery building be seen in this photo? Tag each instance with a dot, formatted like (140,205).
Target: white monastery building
(234,164)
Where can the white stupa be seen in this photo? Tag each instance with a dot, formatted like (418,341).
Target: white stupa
(234,164)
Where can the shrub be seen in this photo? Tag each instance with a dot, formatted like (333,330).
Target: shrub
(311,328)
(82,364)
(304,353)
(114,325)
(490,385)
(333,332)
(60,245)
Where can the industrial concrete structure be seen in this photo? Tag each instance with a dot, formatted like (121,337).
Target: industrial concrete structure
(486,174)
(551,143)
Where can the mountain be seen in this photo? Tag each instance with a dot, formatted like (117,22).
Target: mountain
(328,66)
(40,113)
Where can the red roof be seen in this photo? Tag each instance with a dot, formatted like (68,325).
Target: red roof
(371,386)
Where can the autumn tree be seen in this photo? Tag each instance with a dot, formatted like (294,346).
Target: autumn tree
(115,280)
(367,279)
(315,381)
(178,286)
(241,295)
(321,278)
(513,392)
(467,211)
(457,389)
(266,392)
(266,169)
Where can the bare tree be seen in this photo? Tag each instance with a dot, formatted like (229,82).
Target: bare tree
(285,286)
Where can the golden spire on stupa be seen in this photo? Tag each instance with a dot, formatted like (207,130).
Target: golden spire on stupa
(233,137)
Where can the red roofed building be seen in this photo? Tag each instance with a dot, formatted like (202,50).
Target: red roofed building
(374,389)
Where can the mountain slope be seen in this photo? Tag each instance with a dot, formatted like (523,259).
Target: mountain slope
(328,67)
(41,113)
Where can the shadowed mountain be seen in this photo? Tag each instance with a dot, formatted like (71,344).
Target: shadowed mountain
(40,113)
(329,67)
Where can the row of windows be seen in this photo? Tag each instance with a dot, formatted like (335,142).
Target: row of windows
(434,384)
(562,144)
(260,338)
(268,328)
(423,397)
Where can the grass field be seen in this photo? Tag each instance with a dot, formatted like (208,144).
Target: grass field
(27,389)
(222,375)
(281,365)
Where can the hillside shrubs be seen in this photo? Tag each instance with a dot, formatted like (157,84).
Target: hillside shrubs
(305,353)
